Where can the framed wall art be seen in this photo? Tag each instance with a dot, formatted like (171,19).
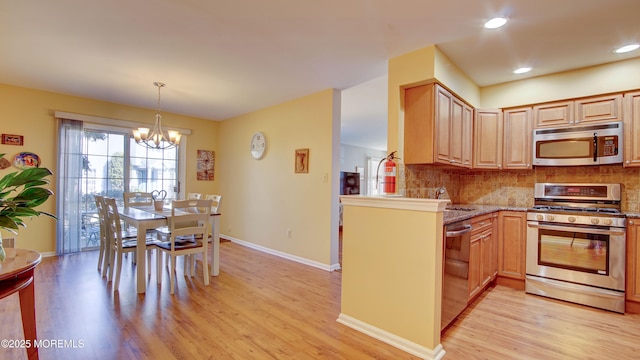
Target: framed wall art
(206,165)
(302,161)
(11,139)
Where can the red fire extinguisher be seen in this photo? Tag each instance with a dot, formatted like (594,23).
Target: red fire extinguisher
(389,173)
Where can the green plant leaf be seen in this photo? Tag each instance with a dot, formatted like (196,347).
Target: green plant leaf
(23,211)
(27,185)
(7,179)
(33,193)
(36,183)
(8,223)
(28,175)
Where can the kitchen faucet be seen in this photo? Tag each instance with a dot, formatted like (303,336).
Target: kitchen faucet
(439,191)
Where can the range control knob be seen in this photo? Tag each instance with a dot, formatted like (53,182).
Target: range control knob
(572,219)
(550,217)
(608,222)
(595,220)
(539,217)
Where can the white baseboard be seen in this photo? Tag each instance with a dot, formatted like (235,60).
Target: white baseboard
(391,339)
(283,255)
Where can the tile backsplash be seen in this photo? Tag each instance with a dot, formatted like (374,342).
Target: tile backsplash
(513,187)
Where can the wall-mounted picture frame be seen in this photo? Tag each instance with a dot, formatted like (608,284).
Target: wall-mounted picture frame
(206,165)
(301,165)
(12,139)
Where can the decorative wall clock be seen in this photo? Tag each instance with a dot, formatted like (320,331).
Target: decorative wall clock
(258,145)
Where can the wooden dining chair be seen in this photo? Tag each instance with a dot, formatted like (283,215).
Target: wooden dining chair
(103,258)
(217,199)
(188,232)
(120,245)
(137,199)
(194,196)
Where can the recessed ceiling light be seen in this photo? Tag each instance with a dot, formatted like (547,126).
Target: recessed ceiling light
(627,48)
(495,23)
(522,70)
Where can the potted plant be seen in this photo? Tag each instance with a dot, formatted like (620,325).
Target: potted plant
(20,193)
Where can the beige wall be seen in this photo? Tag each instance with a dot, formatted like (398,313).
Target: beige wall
(30,112)
(263,199)
(392,278)
(607,78)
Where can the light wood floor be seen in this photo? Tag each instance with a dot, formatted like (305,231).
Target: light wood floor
(260,307)
(504,323)
(264,307)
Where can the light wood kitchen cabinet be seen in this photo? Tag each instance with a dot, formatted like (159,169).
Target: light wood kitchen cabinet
(488,139)
(517,138)
(632,292)
(475,266)
(459,134)
(419,107)
(598,109)
(632,129)
(582,111)
(482,257)
(553,114)
(437,127)
(512,232)
(467,136)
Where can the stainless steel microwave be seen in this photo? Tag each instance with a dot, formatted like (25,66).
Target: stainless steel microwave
(578,145)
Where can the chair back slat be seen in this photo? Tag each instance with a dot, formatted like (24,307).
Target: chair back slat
(102,216)
(189,218)
(215,206)
(194,196)
(114,227)
(137,199)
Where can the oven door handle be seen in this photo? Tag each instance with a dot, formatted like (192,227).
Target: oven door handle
(535,224)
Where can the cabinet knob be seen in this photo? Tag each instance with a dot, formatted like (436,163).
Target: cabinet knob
(631,222)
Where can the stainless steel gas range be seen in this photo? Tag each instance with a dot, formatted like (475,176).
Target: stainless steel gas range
(576,244)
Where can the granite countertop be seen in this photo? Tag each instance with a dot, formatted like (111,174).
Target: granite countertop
(460,212)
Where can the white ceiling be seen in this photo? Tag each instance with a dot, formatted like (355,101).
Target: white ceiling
(225,58)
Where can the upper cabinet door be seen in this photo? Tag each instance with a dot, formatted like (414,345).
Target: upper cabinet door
(444,125)
(488,139)
(419,124)
(517,138)
(598,109)
(467,136)
(461,134)
(555,114)
(632,129)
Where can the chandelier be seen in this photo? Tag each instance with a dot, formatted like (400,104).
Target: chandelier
(157,138)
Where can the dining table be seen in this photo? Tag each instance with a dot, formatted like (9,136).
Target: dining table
(17,275)
(144,218)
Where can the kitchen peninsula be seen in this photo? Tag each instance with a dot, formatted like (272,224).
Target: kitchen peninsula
(392,270)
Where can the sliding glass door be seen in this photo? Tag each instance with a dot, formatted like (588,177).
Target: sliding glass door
(112,163)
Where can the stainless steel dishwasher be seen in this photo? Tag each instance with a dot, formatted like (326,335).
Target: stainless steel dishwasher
(455,279)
